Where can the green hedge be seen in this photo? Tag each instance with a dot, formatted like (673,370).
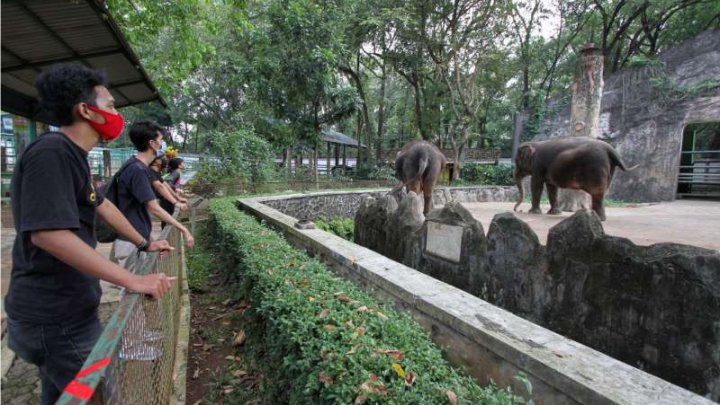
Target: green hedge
(477,173)
(322,340)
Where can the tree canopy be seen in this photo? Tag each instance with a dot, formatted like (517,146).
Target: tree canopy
(383,71)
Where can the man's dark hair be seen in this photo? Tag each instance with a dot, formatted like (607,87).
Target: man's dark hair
(62,86)
(175,163)
(142,132)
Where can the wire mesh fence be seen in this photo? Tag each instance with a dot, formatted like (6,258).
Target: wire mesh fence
(133,362)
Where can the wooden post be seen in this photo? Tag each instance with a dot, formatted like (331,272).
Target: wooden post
(337,155)
(587,90)
(327,159)
(3,159)
(107,164)
(345,156)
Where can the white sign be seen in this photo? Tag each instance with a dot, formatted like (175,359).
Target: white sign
(444,241)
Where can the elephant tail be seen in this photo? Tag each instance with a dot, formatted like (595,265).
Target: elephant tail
(617,160)
(422,166)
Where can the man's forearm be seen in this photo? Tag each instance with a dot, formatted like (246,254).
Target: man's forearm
(70,249)
(174,194)
(163,215)
(109,213)
(160,187)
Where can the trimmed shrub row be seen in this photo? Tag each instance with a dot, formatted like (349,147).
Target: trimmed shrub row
(322,340)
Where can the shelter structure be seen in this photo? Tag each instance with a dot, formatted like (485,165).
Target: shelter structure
(40,33)
(335,140)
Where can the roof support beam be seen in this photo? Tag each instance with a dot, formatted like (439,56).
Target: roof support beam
(37,65)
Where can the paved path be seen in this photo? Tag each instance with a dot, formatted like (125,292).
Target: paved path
(691,222)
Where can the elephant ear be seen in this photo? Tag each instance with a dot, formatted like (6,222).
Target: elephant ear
(525,153)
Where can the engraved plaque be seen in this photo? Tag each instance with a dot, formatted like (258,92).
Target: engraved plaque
(444,241)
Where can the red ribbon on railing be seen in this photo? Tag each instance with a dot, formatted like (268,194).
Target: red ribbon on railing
(84,391)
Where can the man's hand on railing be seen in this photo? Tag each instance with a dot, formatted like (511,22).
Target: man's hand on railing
(159,246)
(189,240)
(152,284)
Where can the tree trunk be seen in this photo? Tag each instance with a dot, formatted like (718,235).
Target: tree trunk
(587,91)
(380,116)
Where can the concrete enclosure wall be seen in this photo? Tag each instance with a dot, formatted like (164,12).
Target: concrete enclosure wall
(644,111)
(655,308)
(487,341)
(334,204)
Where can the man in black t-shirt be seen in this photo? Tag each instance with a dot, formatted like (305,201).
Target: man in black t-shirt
(167,197)
(136,200)
(54,290)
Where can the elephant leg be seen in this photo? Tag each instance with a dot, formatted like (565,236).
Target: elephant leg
(428,185)
(552,191)
(536,186)
(415,186)
(597,202)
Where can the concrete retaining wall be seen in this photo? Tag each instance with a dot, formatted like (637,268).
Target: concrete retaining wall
(489,342)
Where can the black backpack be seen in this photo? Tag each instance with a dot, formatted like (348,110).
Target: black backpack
(104,232)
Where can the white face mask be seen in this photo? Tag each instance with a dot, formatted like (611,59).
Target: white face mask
(163,148)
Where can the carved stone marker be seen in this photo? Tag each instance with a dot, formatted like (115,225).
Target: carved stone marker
(444,241)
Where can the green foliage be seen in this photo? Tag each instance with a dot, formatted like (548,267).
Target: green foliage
(476,173)
(372,171)
(321,339)
(241,156)
(342,227)
(200,264)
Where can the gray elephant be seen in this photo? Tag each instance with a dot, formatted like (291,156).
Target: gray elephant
(418,166)
(578,163)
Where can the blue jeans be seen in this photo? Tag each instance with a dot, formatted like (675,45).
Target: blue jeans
(59,350)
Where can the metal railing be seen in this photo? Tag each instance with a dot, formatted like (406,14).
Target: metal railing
(133,362)
(702,177)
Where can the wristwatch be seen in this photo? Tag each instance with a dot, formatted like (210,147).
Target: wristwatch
(142,246)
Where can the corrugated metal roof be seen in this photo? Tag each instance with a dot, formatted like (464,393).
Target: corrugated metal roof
(39,33)
(337,137)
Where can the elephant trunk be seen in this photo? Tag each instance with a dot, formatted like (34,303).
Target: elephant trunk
(518,181)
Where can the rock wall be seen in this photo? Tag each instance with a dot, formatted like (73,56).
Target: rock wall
(656,307)
(644,111)
(333,205)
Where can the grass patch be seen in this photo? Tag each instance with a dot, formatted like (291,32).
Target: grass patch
(342,227)
(319,339)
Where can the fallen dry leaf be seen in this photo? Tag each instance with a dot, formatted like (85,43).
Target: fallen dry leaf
(229,357)
(226,322)
(360,399)
(410,379)
(382,316)
(239,338)
(395,354)
(227,302)
(311,299)
(363,309)
(330,327)
(350,324)
(325,379)
(324,313)
(360,331)
(399,370)
(207,347)
(239,373)
(196,374)
(342,297)
(451,396)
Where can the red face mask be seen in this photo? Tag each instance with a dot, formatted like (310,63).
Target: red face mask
(111,128)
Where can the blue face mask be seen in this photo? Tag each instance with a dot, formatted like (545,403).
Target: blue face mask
(163,148)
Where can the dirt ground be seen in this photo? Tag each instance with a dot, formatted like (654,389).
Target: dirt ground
(691,222)
(217,369)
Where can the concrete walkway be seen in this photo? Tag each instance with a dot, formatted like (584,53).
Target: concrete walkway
(690,222)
